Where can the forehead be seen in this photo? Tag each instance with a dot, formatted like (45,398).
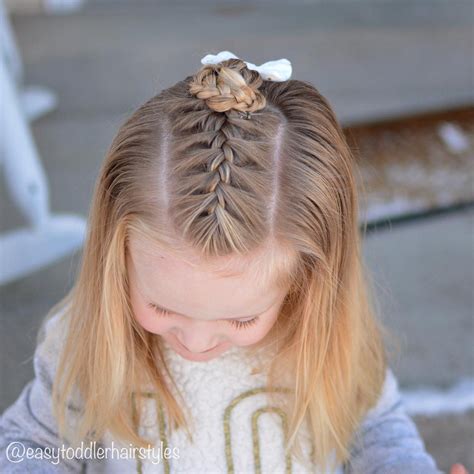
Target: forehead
(154,260)
(182,280)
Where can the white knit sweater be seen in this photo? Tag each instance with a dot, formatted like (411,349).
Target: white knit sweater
(235,428)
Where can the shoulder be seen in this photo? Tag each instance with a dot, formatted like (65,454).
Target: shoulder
(389,398)
(50,340)
(389,440)
(53,327)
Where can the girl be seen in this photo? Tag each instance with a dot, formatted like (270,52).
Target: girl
(221,320)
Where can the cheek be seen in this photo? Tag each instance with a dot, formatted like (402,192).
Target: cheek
(150,321)
(146,316)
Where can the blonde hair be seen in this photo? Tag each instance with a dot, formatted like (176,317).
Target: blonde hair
(189,169)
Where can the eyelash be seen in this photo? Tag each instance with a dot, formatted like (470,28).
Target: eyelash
(237,324)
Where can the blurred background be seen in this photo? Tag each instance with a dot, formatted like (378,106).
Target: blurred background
(400,77)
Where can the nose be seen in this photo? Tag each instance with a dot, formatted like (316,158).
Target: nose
(198,338)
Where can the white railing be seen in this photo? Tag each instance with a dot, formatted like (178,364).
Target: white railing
(47,237)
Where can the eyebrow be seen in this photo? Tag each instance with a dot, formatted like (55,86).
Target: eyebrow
(158,306)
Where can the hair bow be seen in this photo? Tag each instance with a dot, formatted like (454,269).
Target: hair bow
(278,70)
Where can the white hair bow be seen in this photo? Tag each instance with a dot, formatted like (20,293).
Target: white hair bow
(279,70)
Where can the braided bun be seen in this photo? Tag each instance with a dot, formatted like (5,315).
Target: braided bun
(228,85)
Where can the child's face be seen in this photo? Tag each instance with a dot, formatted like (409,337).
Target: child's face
(208,313)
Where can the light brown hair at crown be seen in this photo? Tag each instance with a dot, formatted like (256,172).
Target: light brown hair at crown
(188,170)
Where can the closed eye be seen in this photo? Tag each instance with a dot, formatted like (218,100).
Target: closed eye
(236,323)
(159,310)
(243,324)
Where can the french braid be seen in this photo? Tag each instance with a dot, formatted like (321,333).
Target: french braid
(220,165)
